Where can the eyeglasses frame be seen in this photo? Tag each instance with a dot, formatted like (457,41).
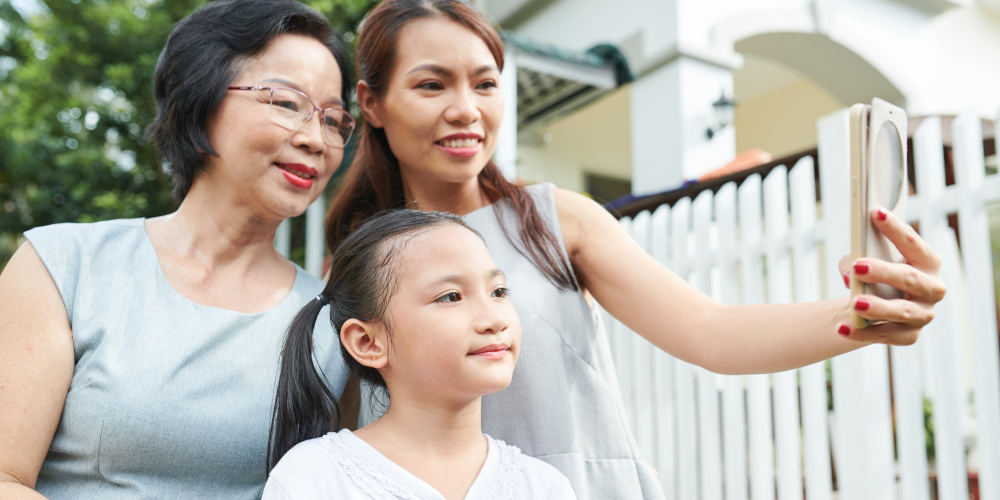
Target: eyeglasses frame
(322,111)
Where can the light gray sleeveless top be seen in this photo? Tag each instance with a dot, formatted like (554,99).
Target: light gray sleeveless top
(563,405)
(169,398)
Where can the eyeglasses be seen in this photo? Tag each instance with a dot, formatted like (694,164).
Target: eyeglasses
(288,108)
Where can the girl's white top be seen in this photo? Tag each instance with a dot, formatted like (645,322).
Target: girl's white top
(341,465)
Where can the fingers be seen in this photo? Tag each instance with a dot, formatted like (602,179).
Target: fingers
(885,333)
(915,250)
(904,312)
(919,285)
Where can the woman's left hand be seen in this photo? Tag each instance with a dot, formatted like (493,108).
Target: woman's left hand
(917,277)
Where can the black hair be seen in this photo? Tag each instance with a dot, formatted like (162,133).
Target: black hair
(201,59)
(362,280)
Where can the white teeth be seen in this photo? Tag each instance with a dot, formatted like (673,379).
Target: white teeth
(460,143)
(296,173)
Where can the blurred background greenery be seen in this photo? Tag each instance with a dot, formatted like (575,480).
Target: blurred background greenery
(76,95)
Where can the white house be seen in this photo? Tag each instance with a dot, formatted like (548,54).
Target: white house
(785,62)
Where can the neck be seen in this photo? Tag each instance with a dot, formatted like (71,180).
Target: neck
(218,229)
(457,198)
(429,428)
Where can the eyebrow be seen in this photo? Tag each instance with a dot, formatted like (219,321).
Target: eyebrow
(461,279)
(441,70)
(292,85)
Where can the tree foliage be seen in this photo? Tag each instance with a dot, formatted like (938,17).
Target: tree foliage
(76,95)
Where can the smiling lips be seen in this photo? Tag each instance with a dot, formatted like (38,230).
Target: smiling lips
(492,351)
(463,145)
(297,174)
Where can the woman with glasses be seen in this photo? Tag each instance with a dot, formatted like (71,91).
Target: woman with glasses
(139,357)
(429,91)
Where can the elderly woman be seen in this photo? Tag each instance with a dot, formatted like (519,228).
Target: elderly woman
(139,356)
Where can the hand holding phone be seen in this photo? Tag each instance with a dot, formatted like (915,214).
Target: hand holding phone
(878,180)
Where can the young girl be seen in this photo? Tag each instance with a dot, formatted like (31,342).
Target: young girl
(422,311)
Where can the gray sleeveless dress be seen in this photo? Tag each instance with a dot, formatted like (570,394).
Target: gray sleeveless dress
(169,398)
(563,405)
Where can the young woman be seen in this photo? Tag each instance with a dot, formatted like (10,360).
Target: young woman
(139,356)
(422,312)
(428,89)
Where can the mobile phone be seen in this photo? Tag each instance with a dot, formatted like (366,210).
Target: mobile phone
(878,179)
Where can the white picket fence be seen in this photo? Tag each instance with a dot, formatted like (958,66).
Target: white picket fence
(771,436)
(763,437)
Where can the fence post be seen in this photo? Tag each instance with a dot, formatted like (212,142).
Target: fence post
(815,420)
(946,387)
(862,410)
(967,137)
(709,442)
(687,451)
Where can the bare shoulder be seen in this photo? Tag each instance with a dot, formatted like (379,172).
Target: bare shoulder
(25,276)
(581,219)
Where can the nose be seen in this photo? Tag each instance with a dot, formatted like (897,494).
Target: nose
(310,135)
(490,321)
(463,109)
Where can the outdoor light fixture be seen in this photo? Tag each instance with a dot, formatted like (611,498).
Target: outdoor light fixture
(723,111)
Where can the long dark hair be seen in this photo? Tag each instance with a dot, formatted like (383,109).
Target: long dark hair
(373,182)
(362,280)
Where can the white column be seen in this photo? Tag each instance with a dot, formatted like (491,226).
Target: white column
(671,108)
(506,152)
(315,237)
(283,237)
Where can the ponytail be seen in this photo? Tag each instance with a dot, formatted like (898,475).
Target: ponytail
(304,408)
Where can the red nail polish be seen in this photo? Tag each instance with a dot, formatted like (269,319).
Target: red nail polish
(844,330)
(847,279)
(861,267)
(861,305)
(882,214)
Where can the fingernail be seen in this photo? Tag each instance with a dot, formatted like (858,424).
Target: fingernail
(861,267)
(844,330)
(882,214)
(847,279)
(861,305)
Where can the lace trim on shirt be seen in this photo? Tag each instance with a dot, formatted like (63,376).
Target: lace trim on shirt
(508,472)
(370,479)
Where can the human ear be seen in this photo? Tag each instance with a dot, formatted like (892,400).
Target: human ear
(364,344)
(369,104)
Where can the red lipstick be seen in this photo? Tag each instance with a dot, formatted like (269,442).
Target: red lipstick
(298,175)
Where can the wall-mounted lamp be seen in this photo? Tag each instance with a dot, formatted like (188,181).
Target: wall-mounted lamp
(723,111)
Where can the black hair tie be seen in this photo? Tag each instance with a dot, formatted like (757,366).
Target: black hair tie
(322,300)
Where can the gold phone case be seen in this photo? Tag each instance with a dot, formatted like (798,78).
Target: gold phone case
(878,179)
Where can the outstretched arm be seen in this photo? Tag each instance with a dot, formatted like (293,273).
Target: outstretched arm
(678,318)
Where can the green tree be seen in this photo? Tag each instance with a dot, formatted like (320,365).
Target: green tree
(76,95)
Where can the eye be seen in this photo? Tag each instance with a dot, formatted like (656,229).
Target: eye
(289,105)
(430,86)
(488,84)
(449,297)
(501,293)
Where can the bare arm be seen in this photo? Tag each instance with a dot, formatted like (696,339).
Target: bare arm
(678,318)
(36,365)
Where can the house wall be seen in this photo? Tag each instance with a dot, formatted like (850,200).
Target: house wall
(594,139)
(930,56)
